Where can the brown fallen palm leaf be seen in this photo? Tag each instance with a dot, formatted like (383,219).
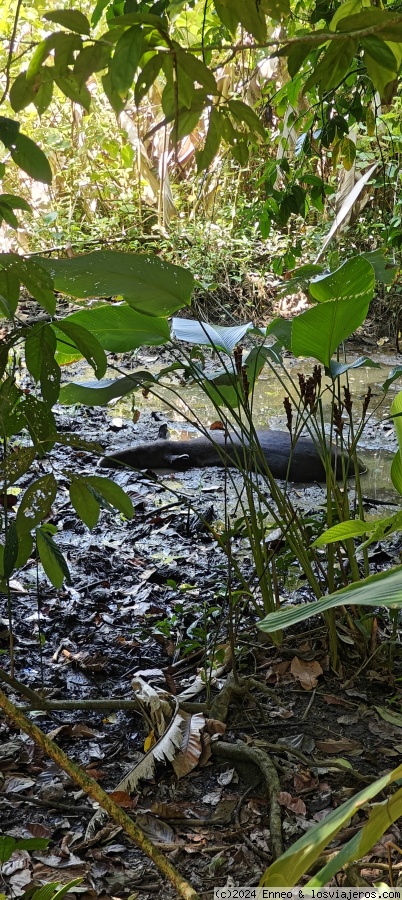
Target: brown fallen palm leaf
(178,737)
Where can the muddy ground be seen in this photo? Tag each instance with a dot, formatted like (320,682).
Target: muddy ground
(149,599)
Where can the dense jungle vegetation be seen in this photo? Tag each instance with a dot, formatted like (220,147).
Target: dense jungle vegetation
(214,186)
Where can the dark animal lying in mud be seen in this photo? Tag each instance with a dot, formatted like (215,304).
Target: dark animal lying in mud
(300,463)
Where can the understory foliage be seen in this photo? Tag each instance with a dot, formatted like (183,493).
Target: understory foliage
(193,92)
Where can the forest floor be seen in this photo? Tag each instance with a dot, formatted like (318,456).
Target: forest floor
(148,602)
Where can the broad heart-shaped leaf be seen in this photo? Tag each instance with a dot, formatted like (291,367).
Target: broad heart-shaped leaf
(396,468)
(118,328)
(51,557)
(344,297)
(384,589)
(72,19)
(29,157)
(147,283)
(319,331)
(222,337)
(353,279)
(295,862)
(36,503)
(100,393)
(87,344)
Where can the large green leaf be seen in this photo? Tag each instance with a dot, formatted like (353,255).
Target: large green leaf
(126,58)
(112,494)
(147,283)
(36,503)
(29,157)
(333,66)
(40,422)
(84,502)
(211,145)
(354,279)
(36,279)
(100,393)
(40,347)
(9,292)
(89,492)
(222,337)
(295,862)
(118,328)
(344,298)
(337,368)
(22,92)
(385,269)
(16,464)
(388,24)
(85,342)
(342,531)
(74,89)
(51,556)
(319,331)
(384,589)
(8,845)
(72,19)
(250,14)
(381,817)
(147,76)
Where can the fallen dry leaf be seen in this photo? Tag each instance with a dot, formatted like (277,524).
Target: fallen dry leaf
(306,672)
(295,804)
(343,745)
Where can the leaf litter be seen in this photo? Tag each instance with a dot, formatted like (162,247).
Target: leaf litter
(141,620)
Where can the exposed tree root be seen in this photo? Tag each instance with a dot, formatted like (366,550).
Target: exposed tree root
(241,754)
(93,789)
